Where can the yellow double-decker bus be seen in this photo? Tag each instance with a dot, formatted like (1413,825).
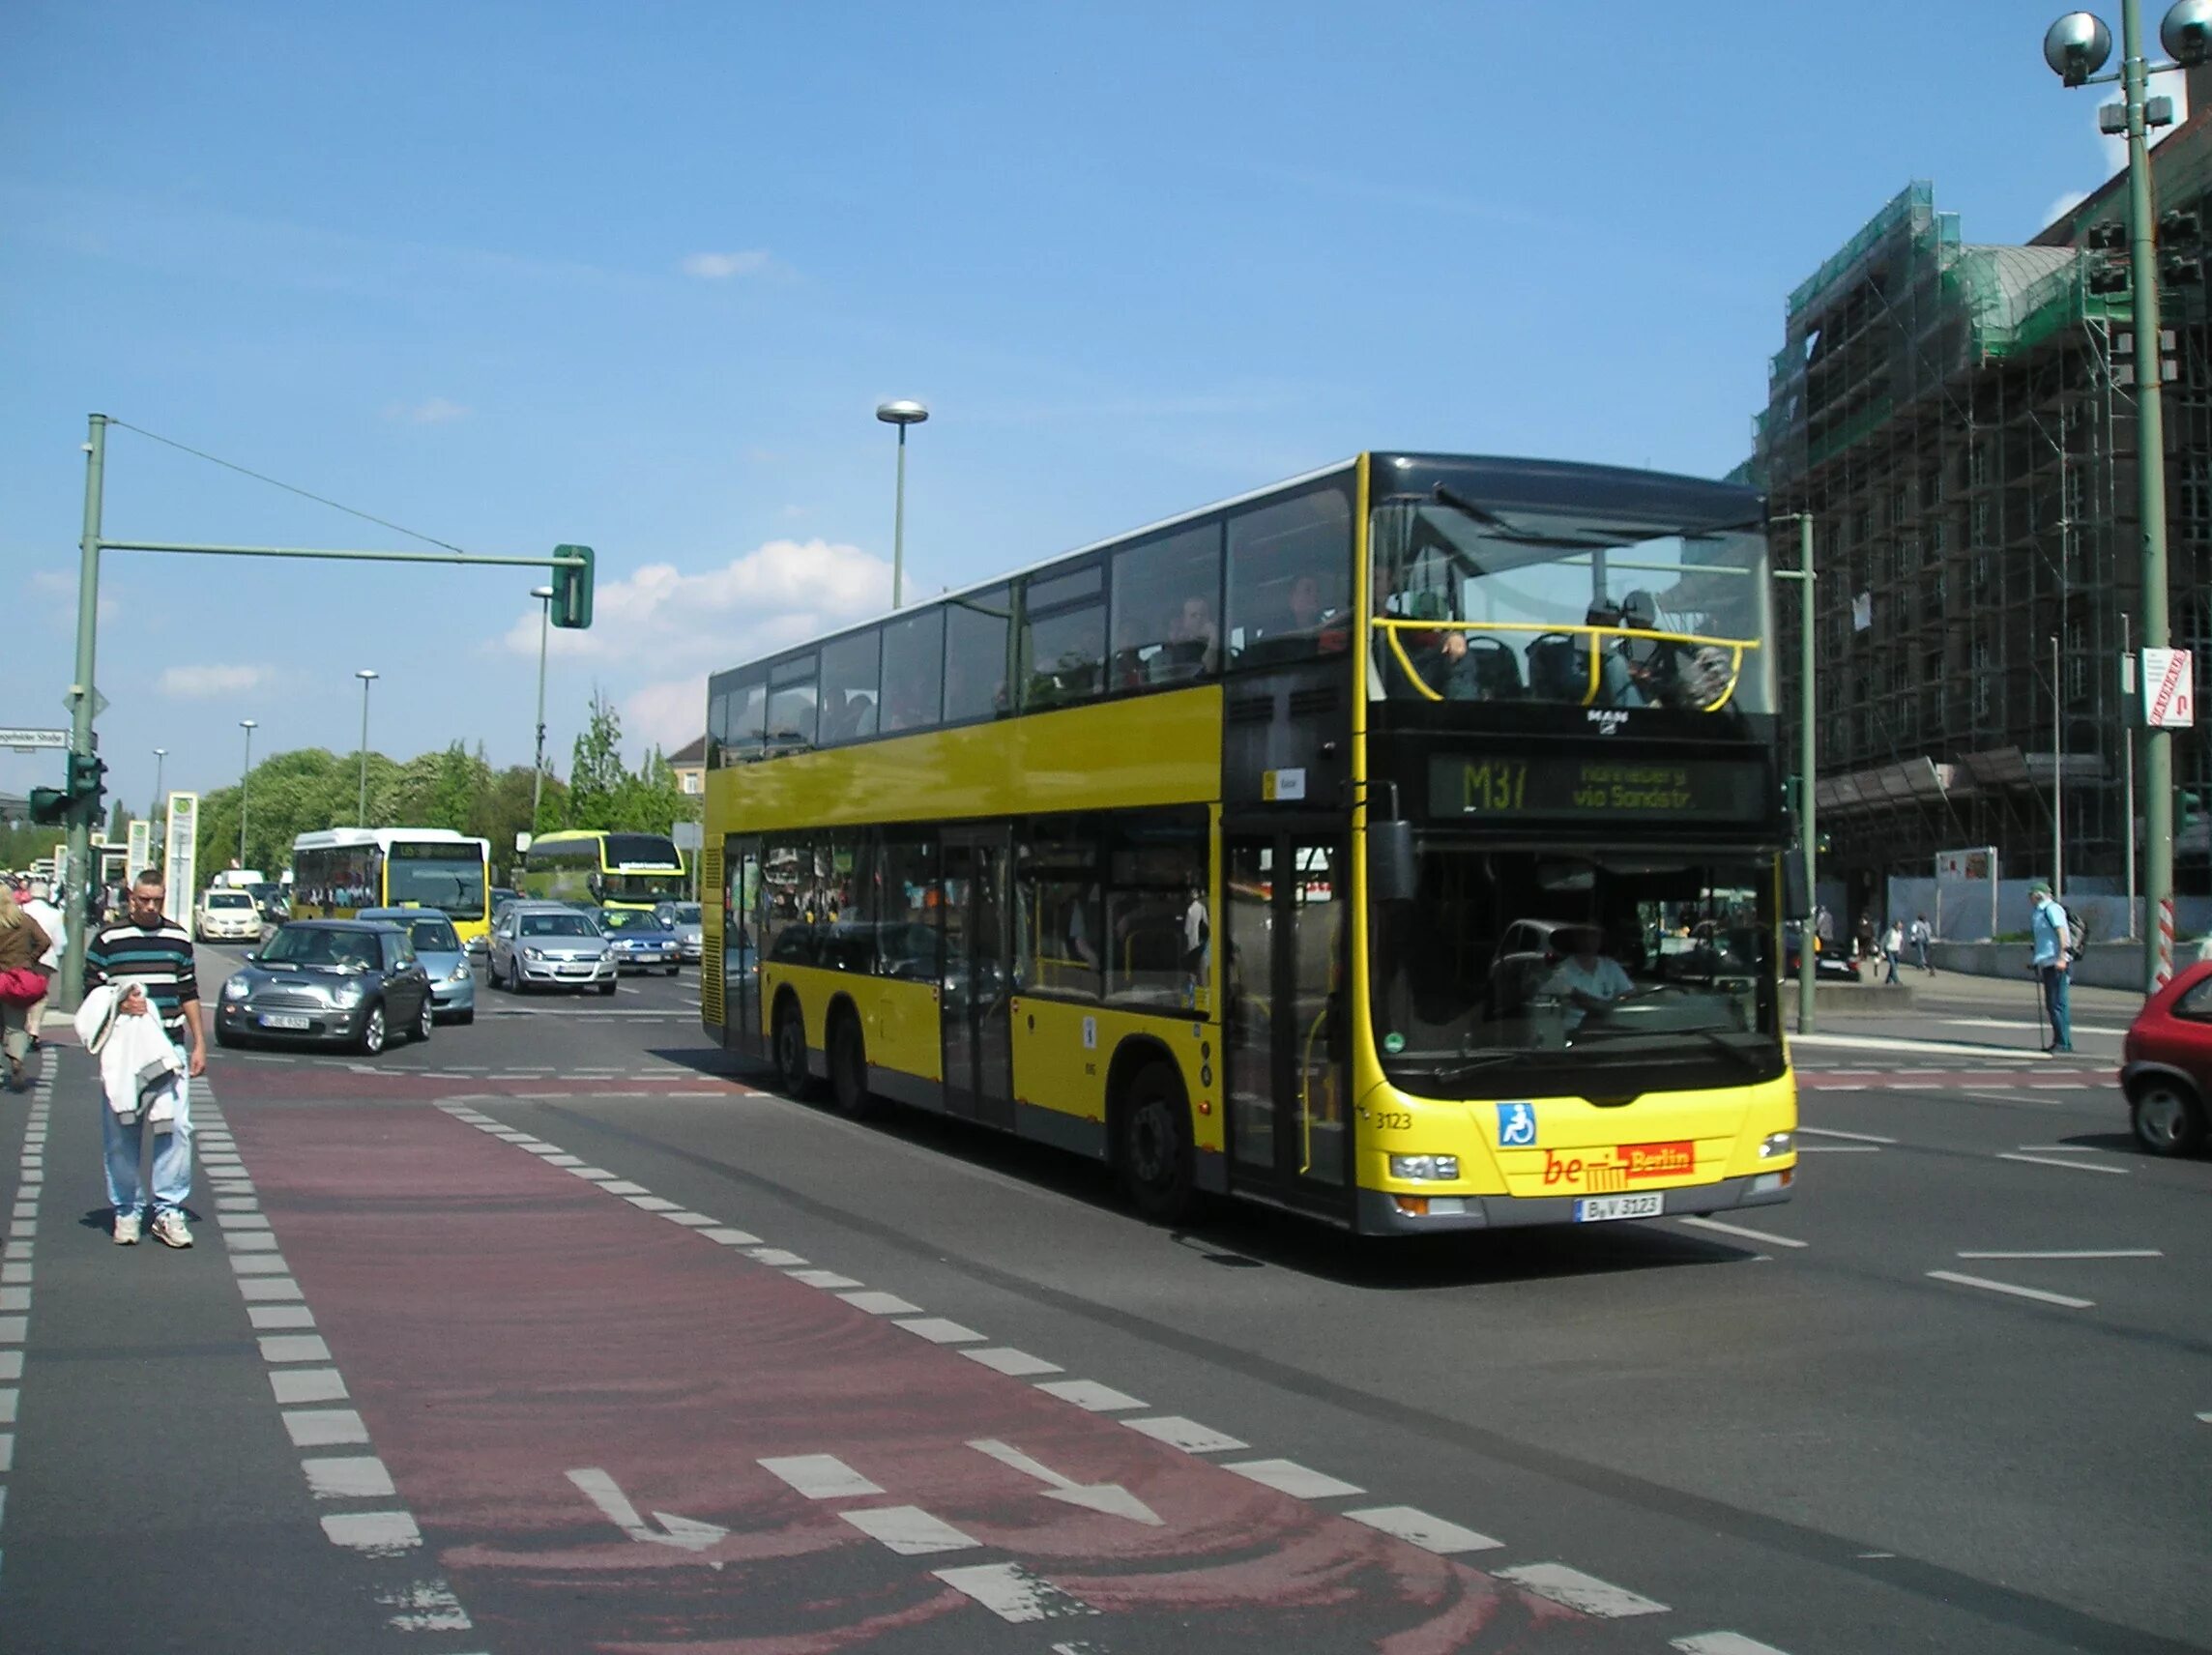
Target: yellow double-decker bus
(1400,845)
(337,871)
(611,868)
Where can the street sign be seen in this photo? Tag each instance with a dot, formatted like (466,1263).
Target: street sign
(27,741)
(70,700)
(686,835)
(2170,689)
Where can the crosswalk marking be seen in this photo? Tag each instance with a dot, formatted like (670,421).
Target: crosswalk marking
(1578,1590)
(1416,1528)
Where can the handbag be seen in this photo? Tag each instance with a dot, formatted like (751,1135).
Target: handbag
(22,985)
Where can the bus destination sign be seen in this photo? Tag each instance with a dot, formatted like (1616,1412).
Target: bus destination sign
(1487,787)
(432,850)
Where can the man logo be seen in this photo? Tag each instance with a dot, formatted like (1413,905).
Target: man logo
(1607,719)
(1516,1125)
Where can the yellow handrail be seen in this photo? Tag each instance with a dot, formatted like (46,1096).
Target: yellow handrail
(1390,627)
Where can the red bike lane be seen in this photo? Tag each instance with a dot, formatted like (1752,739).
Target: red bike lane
(574,1397)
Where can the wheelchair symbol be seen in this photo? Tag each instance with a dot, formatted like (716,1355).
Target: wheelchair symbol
(1516,1125)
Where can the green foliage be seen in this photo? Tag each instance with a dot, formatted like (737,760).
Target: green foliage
(605,793)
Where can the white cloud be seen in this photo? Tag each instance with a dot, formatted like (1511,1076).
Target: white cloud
(201,683)
(662,620)
(437,410)
(666,715)
(2064,205)
(58,588)
(720,267)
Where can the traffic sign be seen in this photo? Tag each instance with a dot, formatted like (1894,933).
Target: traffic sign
(2170,689)
(25,740)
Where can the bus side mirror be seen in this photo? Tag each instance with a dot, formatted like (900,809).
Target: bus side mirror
(1796,889)
(1393,872)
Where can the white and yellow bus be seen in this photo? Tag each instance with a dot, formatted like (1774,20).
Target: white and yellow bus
(610,868)
(1400,845)
(337,871)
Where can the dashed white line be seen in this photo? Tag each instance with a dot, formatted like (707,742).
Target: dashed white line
(324,1427)
(2037,1293)
(908,1529)
(308,1384)
(819,1278)
(1187,1434)
(1749,1235)
(1017,1364)
(819,1476)
(1849,1136)
(939,1331)
(880,1304)
(1091,1395)
(379,1533)
(1722,1643)
(348,1476)
(1417,1527)
(1014,1594)
(2081,1253)
(1288,1476)
(2070,1166)
(1578,1590)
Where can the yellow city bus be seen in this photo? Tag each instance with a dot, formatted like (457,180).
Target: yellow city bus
(1400,845)
(612,869)
(337,871)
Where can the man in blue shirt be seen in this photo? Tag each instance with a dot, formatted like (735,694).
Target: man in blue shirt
(2048,928)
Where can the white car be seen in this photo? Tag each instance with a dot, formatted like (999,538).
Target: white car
(227,916)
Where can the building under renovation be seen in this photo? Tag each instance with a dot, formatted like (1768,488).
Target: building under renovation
(1960,420)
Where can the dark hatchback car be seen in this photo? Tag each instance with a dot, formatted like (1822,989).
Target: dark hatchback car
(2166,1064)
(346,982)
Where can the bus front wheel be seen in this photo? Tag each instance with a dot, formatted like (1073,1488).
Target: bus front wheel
(1158,1160)
(791,1072)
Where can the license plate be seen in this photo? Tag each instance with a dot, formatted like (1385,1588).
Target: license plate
(285,1020)
(1595,1208)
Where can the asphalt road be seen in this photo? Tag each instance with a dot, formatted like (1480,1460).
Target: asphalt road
(556,1333)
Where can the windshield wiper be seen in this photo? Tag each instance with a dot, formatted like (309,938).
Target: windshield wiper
(1710,1036)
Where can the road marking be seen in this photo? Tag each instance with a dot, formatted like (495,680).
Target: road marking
(880,1304)
(348,1476)
(685,1533)
(1012,1593)
(1288,1476)
(1416,1528)
(1852,1137)
(1187,1434)
(261,1263)
(2070,1166)
(2206,1417)
(1090,1395)
(308,1384)
(2057,1148)
(2091,1252)
(1578,1590)
(819,1476)
(378,1533)
(1749,1235)
(324,1427)
(939,1331)
(268,1287)
(2036,1293)
(732,1237)
(908,1529)
(819,1278)
(1724,1643)
(780,1257)
(1018,1364)
(1108,1499)
(692,1220)
(1839,1148)
(657,1204)
(623,1186)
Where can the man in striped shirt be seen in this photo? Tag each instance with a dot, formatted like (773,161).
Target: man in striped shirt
(149,959)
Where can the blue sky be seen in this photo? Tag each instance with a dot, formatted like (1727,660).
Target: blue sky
(637,277)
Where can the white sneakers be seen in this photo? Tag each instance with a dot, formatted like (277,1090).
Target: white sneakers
(169,1229)
(126,1230)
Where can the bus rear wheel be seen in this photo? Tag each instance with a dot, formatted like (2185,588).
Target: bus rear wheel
(1157,1159)
(790,1073)
(849,1069)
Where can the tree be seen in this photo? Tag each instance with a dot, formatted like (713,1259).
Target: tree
(597,777)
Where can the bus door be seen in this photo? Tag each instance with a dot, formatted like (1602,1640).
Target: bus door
(1288,902)
(978,976)
(740,945)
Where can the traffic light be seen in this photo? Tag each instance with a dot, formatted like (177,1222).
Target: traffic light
(572,587)
(52,806)
(85,771)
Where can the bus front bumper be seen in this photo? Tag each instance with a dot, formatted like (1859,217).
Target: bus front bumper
(1386,1214)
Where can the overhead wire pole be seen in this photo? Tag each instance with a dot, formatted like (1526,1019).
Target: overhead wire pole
(1808,831)
(572,569)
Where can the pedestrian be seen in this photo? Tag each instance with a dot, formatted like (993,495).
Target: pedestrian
(1864,940)
(148,958)
(1922,934)
(22,941)
(32,899)
(1893,945)
(2052,963)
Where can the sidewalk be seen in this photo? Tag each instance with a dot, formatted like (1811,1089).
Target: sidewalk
(1979,1014)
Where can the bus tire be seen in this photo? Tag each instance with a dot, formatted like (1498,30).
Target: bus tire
(1154,1147)
(790,1052)
(848,1066)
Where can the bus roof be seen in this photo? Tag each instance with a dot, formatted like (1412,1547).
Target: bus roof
(383,838)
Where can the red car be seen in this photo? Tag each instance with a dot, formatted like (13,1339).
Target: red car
(2166,1064)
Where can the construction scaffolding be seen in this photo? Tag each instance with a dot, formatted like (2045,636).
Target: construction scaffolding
(1960,422)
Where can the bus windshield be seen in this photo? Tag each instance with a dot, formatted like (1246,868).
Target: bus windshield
(1569,606)
(643,887)
(1539,971)
(454,885)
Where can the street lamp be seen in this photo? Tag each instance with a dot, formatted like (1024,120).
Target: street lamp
(244,782)
(902,413)
(2057,784)
(2076,47)
(1809,769)
(545,597)
(360,812)
(161,807)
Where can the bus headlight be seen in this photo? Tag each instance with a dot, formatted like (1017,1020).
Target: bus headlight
(1433,1168)
(1777,1143)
